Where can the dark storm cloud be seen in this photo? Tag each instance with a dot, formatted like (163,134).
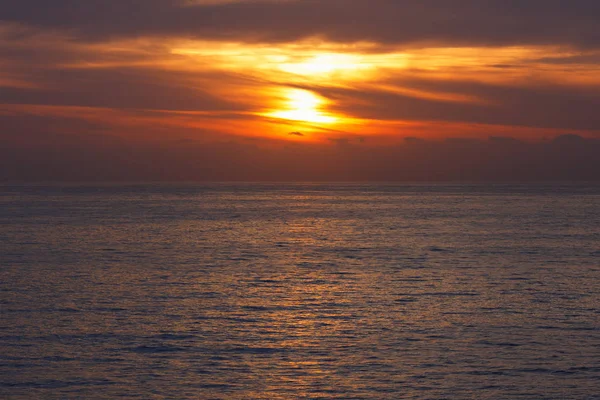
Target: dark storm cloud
(460,22)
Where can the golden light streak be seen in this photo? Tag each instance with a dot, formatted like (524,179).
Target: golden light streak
(326,64)
(304,106)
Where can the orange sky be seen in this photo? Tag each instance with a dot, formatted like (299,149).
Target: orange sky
(299,71)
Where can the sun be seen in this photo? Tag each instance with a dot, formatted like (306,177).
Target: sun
(303,105)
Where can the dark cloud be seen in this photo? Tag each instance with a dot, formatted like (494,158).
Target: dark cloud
(149,101)
(580,59)
(341,142)
(459,22)
(530,104)
(48,153)
(116,88)
(414,140)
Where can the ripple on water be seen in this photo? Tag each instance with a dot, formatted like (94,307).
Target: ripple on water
(309,291)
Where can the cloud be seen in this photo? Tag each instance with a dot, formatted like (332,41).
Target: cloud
(48,153)
(538,104)
(116,88)
(187,89)
(397,22)
(42,65)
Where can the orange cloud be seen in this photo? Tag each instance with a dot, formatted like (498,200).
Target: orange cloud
(214,71)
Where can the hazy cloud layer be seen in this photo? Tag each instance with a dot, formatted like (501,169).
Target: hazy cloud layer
(98,157)
(459,22)
(159,89)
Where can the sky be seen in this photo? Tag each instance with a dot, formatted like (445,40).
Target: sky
(309,90)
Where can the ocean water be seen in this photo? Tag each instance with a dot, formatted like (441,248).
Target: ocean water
(300,291)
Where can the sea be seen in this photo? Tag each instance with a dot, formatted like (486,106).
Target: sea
(300,291)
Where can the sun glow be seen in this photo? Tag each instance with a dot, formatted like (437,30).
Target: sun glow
(325,64)
(303,105)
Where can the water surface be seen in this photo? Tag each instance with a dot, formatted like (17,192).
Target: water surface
(300,291)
